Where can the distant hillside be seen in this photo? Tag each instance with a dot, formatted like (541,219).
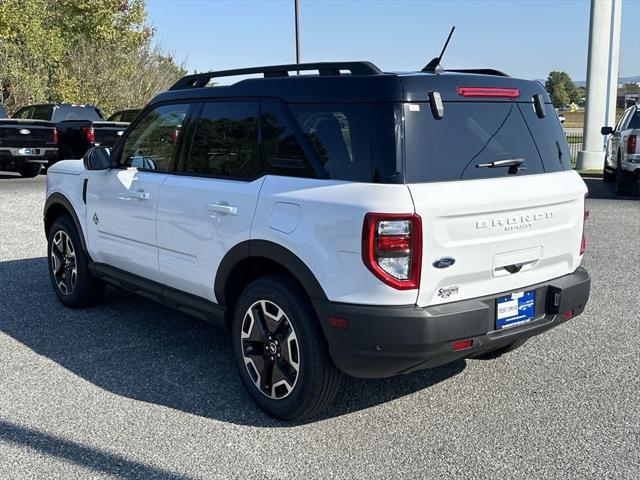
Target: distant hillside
(635,79)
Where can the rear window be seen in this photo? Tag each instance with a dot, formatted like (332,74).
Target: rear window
(475,133)
(41,112)
(70,112)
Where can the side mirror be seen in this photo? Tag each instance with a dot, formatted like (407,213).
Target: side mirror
(97,158)
(606,130)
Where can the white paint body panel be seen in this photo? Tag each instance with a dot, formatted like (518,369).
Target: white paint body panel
(533,220)
(194,233)
(66,178)
(125,235)
(328,235)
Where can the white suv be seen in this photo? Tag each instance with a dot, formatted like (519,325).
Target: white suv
(352,221)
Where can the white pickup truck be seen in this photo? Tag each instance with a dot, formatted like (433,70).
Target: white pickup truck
(622,160)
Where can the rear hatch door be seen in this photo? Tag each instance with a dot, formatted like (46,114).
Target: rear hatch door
(26,133)
(485,230)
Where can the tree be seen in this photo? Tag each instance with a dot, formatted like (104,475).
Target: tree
(80,51)
(561,89)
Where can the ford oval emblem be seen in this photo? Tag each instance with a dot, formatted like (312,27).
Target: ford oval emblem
(444,262)
(25,131)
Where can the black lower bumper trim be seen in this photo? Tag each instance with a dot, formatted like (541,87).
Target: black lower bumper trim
(385,341)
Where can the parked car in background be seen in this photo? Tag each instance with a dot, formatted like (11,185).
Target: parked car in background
(124,115)
(26,145)
(79,127)
(622,158)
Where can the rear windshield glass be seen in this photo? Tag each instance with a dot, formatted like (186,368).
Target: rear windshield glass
(475,133)
(353,141)
(68,112)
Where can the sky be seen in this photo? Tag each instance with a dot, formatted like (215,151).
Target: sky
(524,38)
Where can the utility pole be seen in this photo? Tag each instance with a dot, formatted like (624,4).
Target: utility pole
(297,21)
(601,61)
(616,16)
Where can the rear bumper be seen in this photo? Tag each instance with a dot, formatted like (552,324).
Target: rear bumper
(16,155)
(385,341)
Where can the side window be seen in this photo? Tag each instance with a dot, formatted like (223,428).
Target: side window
(635,120)
(151,145)
(23,112)
(353,141)
(225,141)
(283,153)
(42,112)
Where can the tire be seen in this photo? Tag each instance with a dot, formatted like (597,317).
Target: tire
(624,182)
(30,170)
(293,348)
(607,175)
(68,266)
(498,352)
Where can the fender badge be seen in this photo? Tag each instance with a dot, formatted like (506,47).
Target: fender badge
(95,219)
(444,262)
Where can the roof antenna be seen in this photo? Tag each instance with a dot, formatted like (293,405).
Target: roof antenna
(434,65)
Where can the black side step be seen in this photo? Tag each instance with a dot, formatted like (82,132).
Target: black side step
(184,302)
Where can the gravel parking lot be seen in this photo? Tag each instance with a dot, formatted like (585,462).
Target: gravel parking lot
(130,389)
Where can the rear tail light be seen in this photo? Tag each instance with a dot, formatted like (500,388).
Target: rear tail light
(89,134)
(488,92)
(55,135)
(631,143)
(392,248)
(583,242)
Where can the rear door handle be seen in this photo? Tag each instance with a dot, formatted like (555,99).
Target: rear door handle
(141,195)
(223,208)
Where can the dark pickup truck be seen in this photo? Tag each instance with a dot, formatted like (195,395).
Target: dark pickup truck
(79,127)
(25,145)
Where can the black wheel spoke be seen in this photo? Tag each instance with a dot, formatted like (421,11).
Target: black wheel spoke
(284,371)
(253,348)
(260,323)
(266,378)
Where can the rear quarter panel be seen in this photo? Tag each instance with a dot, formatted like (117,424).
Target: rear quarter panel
(320,221)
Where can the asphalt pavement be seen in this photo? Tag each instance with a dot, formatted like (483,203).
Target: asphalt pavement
(132,390)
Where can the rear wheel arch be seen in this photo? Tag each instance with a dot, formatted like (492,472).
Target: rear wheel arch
(252,259)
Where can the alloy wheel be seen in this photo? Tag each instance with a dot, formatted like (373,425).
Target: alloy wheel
(270,349)
(63,262)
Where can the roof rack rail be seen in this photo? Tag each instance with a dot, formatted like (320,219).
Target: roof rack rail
(200,80)
(479,71)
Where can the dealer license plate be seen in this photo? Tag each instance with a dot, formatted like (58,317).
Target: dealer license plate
(515,309)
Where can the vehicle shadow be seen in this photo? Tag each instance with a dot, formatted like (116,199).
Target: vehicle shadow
(138,349)
(607,191)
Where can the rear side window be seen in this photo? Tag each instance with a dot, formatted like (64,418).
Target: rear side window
(77,112)
(470,134)
(635,120)
(282,151)
(353,141)
(41,112)
(225,141)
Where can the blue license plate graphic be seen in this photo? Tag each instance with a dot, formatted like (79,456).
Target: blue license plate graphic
(514,309)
